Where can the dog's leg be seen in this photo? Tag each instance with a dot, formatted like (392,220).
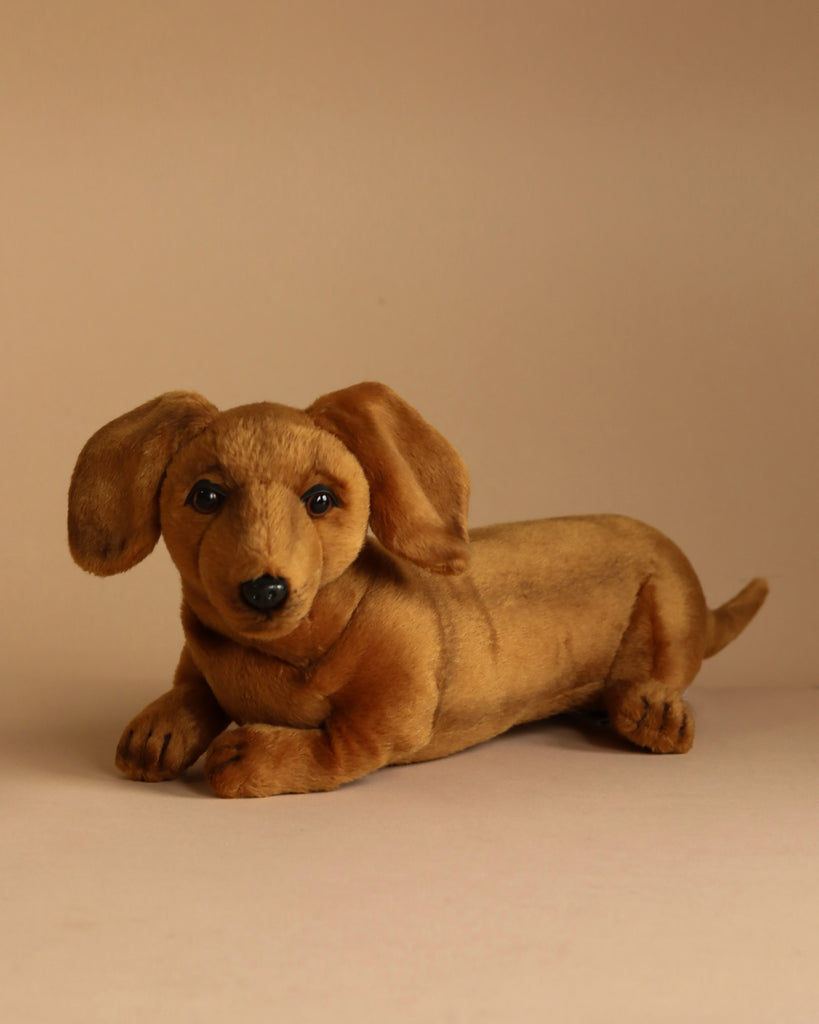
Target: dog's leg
(173,731)
(265,760)
(658,657)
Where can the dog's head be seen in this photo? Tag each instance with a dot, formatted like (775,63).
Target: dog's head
(263,505)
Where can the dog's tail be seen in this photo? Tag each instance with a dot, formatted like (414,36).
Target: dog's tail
(728,621)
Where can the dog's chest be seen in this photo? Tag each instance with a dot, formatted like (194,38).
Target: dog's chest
(254,687)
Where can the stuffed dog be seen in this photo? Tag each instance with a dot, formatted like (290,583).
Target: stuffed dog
(335,652)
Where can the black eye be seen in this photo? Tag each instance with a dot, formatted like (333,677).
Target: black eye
(205,497)
(319,500)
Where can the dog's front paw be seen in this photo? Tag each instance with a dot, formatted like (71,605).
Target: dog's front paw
(265,760)
(153,750)
(238,763)
(169,735)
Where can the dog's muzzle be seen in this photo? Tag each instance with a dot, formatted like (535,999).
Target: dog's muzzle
(264,594)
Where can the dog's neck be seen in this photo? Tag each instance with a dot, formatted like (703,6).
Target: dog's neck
(329,616)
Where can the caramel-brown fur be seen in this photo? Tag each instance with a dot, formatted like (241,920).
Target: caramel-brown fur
(407,647)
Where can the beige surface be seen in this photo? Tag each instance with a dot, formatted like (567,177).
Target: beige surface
(552,874)
(584,240)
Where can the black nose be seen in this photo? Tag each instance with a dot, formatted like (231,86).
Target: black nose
(265,593)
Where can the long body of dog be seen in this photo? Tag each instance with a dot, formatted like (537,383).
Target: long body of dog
(336,653)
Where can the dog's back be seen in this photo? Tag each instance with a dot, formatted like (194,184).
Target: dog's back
(533,627)
(539,623)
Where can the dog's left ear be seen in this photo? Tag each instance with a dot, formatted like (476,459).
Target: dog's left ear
(419,485)
(113,501)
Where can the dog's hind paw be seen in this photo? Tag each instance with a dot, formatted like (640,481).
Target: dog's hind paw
(660,722)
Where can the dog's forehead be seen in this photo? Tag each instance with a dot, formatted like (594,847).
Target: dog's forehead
(253,439)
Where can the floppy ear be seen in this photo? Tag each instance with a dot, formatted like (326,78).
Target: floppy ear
(113,501)
(419,485)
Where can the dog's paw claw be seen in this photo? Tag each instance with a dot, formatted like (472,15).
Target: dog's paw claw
(214,766)
(149,753)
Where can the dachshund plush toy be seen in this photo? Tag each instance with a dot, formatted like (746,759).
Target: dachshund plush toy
(334,652)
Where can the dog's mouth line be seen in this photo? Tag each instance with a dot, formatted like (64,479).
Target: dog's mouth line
(259,621)
(266,618)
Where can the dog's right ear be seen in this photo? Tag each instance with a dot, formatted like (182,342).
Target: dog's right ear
(419,485)
(113,501)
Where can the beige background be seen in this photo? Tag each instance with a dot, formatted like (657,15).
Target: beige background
(583,239)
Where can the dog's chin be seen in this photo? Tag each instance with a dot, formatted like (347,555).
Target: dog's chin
(265,627)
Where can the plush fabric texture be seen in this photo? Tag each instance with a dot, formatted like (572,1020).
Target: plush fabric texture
(409,645)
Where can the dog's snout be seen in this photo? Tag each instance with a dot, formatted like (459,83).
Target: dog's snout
(265,593)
